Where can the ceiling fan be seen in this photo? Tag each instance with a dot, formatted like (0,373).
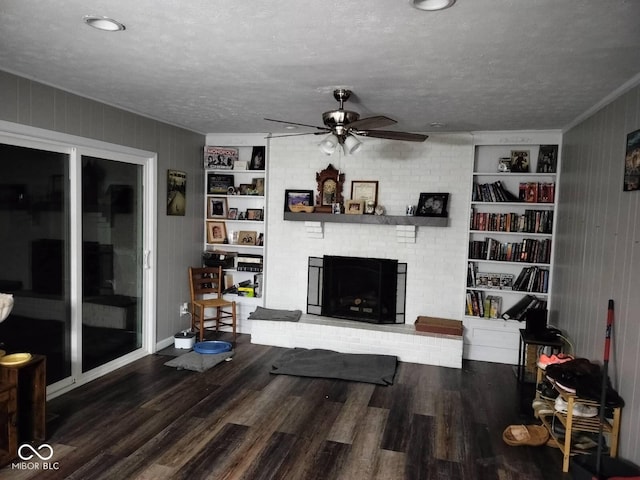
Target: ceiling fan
(341,125)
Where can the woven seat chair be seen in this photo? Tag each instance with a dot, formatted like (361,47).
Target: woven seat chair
(206,294)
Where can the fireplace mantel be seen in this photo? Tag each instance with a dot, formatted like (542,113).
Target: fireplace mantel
(405,224)
(370,219)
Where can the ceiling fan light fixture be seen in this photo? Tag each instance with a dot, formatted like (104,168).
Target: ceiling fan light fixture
(103,23)
(328,144)
(432,5)
(351,144)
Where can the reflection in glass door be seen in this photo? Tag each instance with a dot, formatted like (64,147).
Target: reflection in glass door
(112,249)
(35,261)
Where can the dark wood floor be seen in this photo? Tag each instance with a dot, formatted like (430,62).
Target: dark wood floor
(237,421)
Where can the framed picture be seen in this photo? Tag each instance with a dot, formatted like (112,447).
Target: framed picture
(504,164)
(547,159)
(632,162)
(216,232)
(245,189)
(216,207)
(232,214)
(258,185)
(519,160)
(297,197)
(176,192)
(354,207)
(257,158)
(247,237)
(432,205)
(219,183)
(220,158)
(365,190)
(254,214)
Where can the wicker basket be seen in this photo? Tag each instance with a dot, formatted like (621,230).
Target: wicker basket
(532,435)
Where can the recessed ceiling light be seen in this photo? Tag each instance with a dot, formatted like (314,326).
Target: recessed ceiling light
(432,5)
(290,127)
(436,124)
(103,23)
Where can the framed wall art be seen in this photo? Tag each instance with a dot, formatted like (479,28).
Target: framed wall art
(632,162)
(219,183)
(365,190)
(176,192)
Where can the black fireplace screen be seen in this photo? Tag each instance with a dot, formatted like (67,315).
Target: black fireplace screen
(364,289)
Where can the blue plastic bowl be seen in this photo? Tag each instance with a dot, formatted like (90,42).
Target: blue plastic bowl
(212,346)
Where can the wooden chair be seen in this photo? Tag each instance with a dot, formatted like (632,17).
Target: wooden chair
(206,293)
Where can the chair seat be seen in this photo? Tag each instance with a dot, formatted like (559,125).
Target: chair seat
(213,302)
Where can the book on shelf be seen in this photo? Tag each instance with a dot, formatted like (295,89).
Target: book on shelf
(220,158)
(520,307)
(495,305)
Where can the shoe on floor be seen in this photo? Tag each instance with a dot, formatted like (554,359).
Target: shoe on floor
(532,435)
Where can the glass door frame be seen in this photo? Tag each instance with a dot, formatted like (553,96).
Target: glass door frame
(76,147)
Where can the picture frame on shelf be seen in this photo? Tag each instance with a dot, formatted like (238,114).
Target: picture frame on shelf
(354,207)
(219,183)
(247,237)
(176,192)
(245,189)
(504,164)
(257,158)
(433,205)
(297,197)
(547,159)
(232,213)
(220,158)
(217,207)
(367,191)
(216,232)
(632,162)
(520,161)
(254,214)
(258,185)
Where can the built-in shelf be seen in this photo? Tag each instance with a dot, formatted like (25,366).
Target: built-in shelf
(370,219)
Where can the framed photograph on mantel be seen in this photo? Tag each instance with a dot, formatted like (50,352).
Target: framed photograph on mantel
(433,205)
(365,190)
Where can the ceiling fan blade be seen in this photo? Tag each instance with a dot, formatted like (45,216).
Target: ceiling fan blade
(390,135)
(296,134)
(325,129)
(371,122)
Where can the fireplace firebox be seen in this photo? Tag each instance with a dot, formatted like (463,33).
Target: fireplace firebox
(354,288)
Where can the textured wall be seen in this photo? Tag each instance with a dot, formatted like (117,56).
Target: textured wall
(436,262)
(179,238)
(598,252)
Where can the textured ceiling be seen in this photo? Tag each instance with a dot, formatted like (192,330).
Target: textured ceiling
(221,66)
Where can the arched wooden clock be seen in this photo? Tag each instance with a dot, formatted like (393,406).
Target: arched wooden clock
(330,182)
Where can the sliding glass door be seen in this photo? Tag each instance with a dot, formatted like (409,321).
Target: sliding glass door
(112,253)
(74,239)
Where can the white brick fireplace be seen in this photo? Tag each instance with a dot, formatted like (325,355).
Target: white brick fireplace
(436,261)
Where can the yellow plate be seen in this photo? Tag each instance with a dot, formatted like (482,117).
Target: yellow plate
(15,359)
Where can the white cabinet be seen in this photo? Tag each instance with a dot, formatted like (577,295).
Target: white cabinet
(235,217)
(511,224)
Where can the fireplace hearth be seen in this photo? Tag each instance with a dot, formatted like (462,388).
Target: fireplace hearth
(354,288)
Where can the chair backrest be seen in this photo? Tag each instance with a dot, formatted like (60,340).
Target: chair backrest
(205,280)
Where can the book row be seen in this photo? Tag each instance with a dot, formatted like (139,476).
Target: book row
(532,221)
(481,305)
(532,279)
(529,250)
(537,192)
(502,281)
(492,192)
